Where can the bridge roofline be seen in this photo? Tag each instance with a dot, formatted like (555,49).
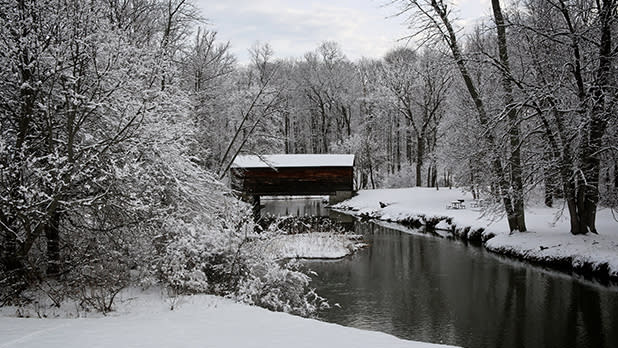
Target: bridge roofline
(294,161)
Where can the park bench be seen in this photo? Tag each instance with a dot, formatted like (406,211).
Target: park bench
(458,204)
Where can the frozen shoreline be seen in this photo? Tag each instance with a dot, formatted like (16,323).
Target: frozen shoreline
(548,241)
(312,246)
(197,321)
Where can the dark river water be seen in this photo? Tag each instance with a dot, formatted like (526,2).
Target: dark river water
(422,287)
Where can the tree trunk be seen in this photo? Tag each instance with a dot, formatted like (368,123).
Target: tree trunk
(409,145)
(594,128)
(8,249)
(434,176)
(286,131)
(324,135)
(420,148)
(373,184)
(397,146)
(615,173)
(473,186)
(549,190)
(549,185)
(52,235)
(513,123)
(363,180)
(496,165)
(347,115)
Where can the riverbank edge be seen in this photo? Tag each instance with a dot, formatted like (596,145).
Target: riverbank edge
(143,318)
(567,263)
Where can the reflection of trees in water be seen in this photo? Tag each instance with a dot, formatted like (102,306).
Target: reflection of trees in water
(427,289)
(584,319)
(512,317)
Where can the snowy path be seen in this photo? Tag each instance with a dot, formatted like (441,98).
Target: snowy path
(200,321)
(548,240)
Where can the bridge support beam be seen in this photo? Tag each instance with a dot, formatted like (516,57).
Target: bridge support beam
(339,196)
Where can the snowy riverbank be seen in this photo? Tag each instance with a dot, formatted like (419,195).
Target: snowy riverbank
(145,320)
(305,237)
(316,245)
(548,241)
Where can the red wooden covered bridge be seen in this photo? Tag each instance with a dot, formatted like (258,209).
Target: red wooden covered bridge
(293,175)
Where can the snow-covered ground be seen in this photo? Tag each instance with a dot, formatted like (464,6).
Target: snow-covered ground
(548,240)
(196,321)
(316,245)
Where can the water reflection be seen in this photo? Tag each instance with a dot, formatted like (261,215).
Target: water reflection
(290,206)
(429,289)
(425,288)
(309,206)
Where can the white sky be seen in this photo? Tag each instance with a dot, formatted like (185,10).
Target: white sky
(363,28)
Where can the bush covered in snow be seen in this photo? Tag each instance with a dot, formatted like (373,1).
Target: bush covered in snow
(280,288)
(300,224)
(105,179)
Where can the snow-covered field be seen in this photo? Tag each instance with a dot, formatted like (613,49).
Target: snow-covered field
(197,321)
(548,239)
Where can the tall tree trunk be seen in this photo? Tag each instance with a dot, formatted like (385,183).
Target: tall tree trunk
(434,176)
(409,145)
(549,189)
(324,135)
(615,173)
(370,164)
(595,126)
(52,234)
(420,149)
(347,116)
(315,133)
(286,131)
(397,146)
(363,180)
(549,185)
(496,164)
(513,122)
(9,247)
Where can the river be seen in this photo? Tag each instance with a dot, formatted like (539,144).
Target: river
(419,286)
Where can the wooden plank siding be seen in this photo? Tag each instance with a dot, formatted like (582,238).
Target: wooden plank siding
(292,180)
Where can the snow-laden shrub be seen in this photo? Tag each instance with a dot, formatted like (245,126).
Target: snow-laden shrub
(100,256)
(117,194)
(279,288)
(183,267)
(198,259)
(219,256)
(300,224)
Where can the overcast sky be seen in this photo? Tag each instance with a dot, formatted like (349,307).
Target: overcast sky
(363,28)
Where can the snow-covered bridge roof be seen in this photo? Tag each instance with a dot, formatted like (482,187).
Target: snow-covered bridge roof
(291,161)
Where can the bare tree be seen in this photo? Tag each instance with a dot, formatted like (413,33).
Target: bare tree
(576,107)
(260,99)
(420,86)
(433,21)
(513,120)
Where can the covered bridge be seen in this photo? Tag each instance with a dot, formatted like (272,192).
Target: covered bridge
(278,175)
